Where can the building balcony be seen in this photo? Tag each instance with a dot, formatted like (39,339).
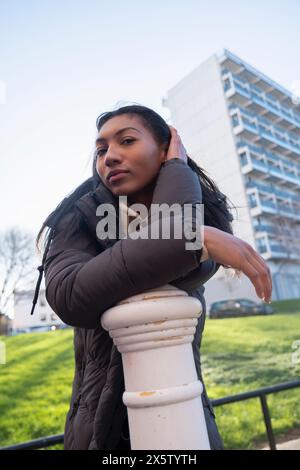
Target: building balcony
(273,190)
(260,102)
(244,72)
(260,131)
(264,228)
(291,166)
(264,166)
(289,233)
(263,202)
(270,248)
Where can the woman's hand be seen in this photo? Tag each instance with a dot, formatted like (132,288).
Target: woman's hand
(176,148)
(229,250)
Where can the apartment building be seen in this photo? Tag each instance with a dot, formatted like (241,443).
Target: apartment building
(243,128)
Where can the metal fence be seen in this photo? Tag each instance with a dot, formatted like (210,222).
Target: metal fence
(260,393)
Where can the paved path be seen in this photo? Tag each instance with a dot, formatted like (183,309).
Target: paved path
(289,445)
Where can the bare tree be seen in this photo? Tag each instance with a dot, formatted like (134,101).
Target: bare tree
(17,264)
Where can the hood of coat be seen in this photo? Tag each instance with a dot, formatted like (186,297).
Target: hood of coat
(87,206)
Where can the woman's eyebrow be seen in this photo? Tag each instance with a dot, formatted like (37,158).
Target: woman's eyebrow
(99,140)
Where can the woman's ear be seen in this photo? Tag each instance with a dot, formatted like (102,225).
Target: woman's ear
(163,152)
(163,157)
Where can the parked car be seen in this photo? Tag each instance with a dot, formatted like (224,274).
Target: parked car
(42,328)
(238,308)
(33,329)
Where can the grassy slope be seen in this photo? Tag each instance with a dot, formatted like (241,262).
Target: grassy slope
(238,355)
(244,354)
(35,385)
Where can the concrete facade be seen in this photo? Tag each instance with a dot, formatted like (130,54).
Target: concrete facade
(243,129)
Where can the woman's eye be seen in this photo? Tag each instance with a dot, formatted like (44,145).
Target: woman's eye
(99,151)
(128,140)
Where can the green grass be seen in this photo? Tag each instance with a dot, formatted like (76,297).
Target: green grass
(243,354)
(35,385)
(238,355)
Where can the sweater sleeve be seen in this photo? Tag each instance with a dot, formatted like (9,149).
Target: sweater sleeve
(82,283)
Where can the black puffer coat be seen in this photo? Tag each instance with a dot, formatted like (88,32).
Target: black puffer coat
(85,276)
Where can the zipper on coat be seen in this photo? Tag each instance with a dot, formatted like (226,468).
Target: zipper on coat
(75,407)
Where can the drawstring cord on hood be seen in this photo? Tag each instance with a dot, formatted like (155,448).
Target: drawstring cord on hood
(41,270)
(54,217)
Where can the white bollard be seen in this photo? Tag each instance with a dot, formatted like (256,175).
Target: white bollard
(154,332)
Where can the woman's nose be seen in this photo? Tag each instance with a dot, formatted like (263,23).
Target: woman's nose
(111,157)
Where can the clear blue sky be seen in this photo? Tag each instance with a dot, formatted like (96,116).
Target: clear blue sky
(65,62)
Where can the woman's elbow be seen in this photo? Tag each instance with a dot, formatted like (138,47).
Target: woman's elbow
(80,316)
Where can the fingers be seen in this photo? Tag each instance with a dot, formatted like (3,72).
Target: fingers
(265,273)
(176,147)
(175,132)
(266,277)
(240,255)
(259,274)
(253,274)
(256,269)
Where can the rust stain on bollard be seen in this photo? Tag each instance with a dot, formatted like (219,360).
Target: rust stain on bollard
(151,297)
(146,394)
(169,339)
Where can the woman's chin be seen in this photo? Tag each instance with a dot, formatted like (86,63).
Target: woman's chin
(122,190)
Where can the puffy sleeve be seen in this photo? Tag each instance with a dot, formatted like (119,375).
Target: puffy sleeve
(83,281)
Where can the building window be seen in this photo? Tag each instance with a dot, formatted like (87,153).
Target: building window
(235,120)
(53,317)
(244,159)
(252,200)
(262,245)
(227,84)
(43,317)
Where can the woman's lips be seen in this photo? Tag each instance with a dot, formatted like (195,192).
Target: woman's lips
(118,176)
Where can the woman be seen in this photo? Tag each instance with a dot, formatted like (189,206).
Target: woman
(86,273)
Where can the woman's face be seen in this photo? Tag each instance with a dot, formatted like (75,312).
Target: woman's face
(132,150)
